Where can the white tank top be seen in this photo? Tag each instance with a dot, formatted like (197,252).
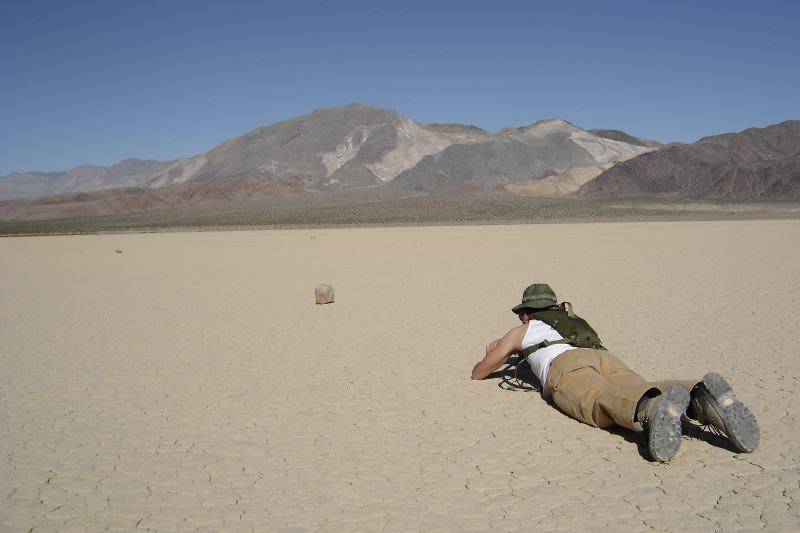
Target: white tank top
(540,360)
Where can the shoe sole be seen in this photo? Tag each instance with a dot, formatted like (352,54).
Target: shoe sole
(741,427)
(664,428)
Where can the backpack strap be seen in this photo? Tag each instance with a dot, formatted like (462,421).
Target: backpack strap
(575,344)
(530,349)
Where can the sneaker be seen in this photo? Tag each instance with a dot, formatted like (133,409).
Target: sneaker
(661,419)
(713,405)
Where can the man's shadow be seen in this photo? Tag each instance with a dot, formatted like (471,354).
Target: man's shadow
(518,376)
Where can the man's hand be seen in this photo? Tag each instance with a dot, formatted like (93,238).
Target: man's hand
(492,345)
(498,351)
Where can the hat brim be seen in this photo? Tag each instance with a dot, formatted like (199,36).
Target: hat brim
(539,303)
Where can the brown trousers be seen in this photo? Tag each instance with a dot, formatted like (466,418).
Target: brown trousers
(595,387)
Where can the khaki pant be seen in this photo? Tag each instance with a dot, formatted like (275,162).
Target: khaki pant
(595,387)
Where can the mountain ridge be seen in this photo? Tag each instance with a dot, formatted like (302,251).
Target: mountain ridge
(342,147)
(128,172)
(358,146)
(518,158)
(754,163)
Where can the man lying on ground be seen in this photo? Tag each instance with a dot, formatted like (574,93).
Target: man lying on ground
(590,384)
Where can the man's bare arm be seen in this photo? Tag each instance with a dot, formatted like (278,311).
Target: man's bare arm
(498,351)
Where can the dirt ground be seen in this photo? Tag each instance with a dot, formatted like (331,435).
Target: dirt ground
(191,382)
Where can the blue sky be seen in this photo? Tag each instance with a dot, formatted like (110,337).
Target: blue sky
(96,82)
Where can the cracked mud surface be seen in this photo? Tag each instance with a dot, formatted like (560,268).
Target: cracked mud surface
(191,383)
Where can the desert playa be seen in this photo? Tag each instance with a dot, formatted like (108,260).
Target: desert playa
(191,382)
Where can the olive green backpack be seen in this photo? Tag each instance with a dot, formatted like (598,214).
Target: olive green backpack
(574,330)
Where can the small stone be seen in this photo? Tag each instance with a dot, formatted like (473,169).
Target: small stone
(324,294)
(118,251)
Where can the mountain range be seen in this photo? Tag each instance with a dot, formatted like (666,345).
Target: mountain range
(356,146)
(757,163)
(359,146)
(549,157)
(127,173)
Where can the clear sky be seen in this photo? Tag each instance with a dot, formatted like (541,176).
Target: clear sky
(96,82)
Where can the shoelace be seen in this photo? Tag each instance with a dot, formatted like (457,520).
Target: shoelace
(713,429)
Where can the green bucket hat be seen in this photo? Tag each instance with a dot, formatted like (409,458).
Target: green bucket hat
(536,296)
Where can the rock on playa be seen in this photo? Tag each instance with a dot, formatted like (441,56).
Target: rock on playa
(324,294)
